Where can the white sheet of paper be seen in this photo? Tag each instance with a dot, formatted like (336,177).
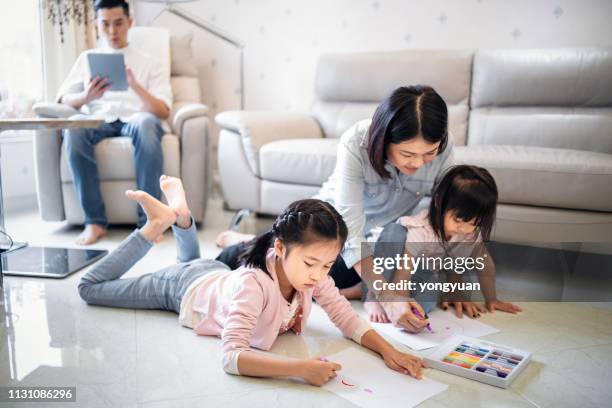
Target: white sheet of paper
(443,324)
(366,381)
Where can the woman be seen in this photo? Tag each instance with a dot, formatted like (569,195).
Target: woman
(385,167)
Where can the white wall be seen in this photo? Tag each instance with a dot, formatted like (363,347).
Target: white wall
(17,167)
(284,37)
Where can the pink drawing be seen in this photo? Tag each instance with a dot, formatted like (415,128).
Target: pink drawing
(368,390)
(347,384)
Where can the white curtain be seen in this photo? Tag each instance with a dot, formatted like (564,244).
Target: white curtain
(58,56)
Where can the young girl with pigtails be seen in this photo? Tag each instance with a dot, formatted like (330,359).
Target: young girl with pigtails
(283,270)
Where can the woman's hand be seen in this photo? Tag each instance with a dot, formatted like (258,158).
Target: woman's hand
(507,307)
(317,372)
(407,315)
(404,363)
(472,309)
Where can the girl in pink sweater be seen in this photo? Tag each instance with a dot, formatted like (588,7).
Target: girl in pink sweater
(284,269)
(459,221)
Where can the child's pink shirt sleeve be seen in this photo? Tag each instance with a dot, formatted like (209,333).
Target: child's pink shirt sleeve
(246,305)
(340,310)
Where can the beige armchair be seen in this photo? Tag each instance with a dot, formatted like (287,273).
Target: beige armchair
(185,146)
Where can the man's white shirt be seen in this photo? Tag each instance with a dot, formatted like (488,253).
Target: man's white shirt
(122,105)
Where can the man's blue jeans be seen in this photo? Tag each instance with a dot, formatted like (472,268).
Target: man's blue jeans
(146,132)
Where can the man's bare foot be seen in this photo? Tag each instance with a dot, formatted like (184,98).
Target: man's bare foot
(159,216)
(375,312)
(175,194)
(354,292)
(229,238)
(91,234)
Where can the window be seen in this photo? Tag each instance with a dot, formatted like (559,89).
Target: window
(21,69)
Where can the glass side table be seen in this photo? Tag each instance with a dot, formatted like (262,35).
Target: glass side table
(33,124)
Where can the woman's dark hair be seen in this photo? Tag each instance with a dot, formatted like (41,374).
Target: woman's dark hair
(303,222)
(107,4)
(470,192)
(409,112)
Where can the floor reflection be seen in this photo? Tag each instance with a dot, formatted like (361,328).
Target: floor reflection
(27,329)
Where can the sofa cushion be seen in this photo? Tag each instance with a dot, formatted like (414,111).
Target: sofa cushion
(337,117)
(372,76)
(543,176)
(565,128)
(349,86)
(114,156)
(185,89)
(525,223)
(547,77)
(154,42)
(182,55)
(298,161)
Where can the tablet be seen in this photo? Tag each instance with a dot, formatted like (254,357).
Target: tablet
(111,67)
(46,262)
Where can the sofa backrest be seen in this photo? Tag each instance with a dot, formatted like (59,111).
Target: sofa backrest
(175,55)
(153,41)
(184,79)
(552,98)
(349,87)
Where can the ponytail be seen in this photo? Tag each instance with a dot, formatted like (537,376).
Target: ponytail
(303,222)
(256,251)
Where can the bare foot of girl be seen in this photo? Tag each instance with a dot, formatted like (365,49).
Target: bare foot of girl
(175,194)
(229,238)
(159,216)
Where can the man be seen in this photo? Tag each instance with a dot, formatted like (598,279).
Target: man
(136,113)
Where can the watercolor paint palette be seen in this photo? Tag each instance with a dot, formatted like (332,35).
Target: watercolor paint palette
(479,360)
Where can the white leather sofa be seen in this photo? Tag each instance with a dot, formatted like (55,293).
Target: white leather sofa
(185,145)
(539,120)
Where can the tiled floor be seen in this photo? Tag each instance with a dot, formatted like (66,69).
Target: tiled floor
(133,358)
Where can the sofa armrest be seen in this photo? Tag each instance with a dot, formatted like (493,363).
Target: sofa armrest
(54,110)
(194,135)
(258,128)
(182,111)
